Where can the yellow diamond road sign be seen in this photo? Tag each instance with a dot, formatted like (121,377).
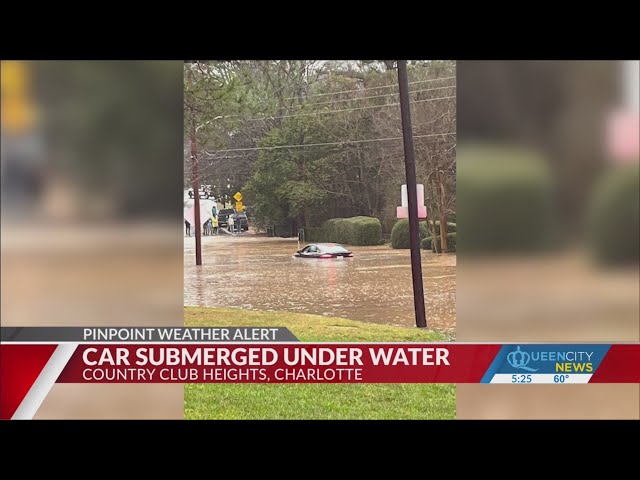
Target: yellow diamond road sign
(238,197)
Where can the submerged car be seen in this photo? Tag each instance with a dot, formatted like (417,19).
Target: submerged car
(324,250)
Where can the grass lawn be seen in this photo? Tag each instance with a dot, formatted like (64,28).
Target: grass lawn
(315,401)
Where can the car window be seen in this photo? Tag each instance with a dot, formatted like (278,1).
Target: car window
(334,248)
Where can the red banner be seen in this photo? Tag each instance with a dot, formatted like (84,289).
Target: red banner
(278,363)
(20,366)
(29,371)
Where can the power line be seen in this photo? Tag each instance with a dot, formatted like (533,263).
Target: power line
(342,100)
(325,143)
(214,156)
(344,109)
(207,168)
(369,88)
(379,96)
(242,156)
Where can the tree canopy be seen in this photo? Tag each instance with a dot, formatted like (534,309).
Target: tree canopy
(310,140)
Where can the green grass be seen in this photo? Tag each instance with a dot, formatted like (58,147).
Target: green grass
(308,328)
(319,401)
(315,401)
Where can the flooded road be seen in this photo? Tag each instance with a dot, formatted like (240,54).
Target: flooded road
(256,272)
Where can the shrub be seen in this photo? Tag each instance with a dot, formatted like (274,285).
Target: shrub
(505,200)
(313,234)
(451,243)
(451,227)
(349,231)
(428,244)
(400,233)
(614,222)
(365,230)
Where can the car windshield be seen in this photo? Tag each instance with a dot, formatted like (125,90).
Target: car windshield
(226,211)
(333,249)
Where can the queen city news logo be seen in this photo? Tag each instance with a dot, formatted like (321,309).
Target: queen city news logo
(568,361)
(520,360)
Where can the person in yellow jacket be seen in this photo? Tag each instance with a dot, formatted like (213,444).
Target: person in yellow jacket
(214,222)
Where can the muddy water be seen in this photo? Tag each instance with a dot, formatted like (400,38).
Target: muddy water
(256,272)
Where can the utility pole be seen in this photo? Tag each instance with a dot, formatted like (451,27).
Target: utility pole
(195,174)
(412,196)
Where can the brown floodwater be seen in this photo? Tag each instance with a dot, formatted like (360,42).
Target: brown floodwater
(260,273)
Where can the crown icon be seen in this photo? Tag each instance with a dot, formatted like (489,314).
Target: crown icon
(518,359)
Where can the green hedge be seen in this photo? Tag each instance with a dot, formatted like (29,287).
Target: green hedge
(313,234)
(349,231)
(400,233)
(427,243)
(451,226)
(505,200)
(614,224)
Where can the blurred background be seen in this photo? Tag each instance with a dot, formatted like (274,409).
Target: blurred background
(548,213)
(91,173)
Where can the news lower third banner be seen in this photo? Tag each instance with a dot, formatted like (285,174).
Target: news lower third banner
(33,359)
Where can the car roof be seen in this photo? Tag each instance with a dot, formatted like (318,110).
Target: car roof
(326,245)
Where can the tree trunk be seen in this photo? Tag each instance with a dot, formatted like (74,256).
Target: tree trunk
(432,234)
(431,224)
(443,216)
(443,233)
